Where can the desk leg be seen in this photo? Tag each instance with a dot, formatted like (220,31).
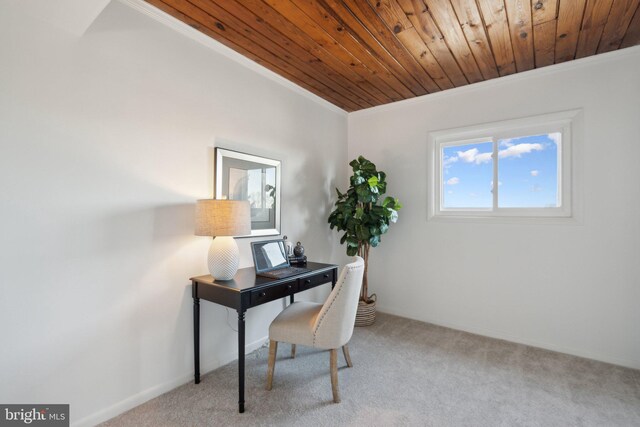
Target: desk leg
(291,299)
(241,360)
(196,338)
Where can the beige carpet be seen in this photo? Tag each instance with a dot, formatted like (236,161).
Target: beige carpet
(408,373)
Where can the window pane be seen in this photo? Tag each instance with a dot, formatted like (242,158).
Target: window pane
(528,171)
(467,174)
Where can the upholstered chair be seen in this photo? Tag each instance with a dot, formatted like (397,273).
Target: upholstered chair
(327,326)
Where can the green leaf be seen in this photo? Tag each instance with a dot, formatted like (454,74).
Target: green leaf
(384,227)
(359,213)
(364,193)
(362,233)
(394,216)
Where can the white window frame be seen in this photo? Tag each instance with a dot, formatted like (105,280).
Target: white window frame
(562,122)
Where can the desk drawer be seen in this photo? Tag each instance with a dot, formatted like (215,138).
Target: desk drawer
(265,295)
(315,280)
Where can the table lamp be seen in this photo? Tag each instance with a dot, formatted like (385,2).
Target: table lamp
(223,219)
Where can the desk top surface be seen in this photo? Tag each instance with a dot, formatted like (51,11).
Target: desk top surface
(246,279)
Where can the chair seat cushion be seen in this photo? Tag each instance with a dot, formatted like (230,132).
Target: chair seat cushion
(295,323)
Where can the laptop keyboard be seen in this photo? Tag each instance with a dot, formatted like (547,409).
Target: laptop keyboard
(284,272)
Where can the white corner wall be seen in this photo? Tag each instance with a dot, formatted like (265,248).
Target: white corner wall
(106,144)
(571,288)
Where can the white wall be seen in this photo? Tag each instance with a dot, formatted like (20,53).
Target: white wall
(106,144)
(572,288)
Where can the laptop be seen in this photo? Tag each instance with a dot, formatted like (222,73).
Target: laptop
(271,260)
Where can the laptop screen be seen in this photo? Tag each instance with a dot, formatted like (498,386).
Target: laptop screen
(269,255)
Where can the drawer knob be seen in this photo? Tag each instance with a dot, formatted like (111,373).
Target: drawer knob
(289,286)
(263,294)
(307,281)
(326,276)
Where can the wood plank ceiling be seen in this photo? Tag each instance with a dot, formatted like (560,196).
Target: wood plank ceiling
(361,53)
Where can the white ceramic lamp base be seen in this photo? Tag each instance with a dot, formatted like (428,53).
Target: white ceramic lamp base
(223,258)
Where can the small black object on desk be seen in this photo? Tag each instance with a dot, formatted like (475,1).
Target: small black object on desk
(298,260)
(246,290)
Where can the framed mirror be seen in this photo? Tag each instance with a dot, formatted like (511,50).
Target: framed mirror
(241,176)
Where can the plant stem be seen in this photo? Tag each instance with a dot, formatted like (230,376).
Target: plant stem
(363,251)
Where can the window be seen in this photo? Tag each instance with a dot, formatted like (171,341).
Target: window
(515,168)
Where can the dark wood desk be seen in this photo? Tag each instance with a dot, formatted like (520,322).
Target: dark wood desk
(247,290)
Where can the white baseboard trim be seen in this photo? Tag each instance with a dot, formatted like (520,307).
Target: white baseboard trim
(155,391)
(634,364)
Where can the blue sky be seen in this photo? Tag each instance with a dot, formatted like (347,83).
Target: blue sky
(527,173)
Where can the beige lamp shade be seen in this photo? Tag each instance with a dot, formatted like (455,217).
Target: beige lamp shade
(223,218)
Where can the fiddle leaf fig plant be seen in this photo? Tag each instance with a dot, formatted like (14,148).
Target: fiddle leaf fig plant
(363,214)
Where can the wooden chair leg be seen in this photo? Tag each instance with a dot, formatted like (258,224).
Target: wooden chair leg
(333,363)
(273,349)
(293,351)
(347,356)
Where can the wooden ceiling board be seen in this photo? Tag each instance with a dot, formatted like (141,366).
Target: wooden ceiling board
(358,54)
(421,52)
(445,18)
(616,27)
(311,86)
(570,15)
(336,28)
(471,22)
(595,17)
(376,26)
(497,25)
(397,60)
(544,39)
(519,17)
(290,35)
(632,37)
(427,29)
(338,47)
(236,15)
(407,35)
(543,11)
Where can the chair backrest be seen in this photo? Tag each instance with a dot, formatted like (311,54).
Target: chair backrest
(334,324)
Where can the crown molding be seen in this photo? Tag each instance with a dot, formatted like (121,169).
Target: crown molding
(188,31)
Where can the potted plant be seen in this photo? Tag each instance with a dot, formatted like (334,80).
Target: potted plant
(364,216)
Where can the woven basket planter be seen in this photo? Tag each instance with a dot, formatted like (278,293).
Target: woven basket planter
(366,314)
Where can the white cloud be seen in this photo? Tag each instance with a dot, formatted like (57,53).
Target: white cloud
(491,184)
(453,181)
(473,156)
(449,192)
(469,155)
(535,189)
(534,173)
(506,142)
(555,137)
(519,149)
(448,160)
